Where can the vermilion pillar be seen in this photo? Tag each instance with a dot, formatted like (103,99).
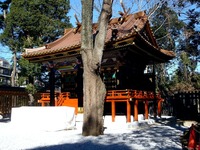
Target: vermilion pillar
(136,110)
(113,110)
(159,107)
(128,111)
(52,86)
(146,109)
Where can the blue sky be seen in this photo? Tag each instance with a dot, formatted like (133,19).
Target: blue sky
(5,53)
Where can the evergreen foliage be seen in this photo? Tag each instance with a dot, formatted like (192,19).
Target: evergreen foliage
(188,49)
(176,27)
(166,26)
(29,24)
(33,23)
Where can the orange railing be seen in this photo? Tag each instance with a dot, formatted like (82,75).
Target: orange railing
(118,94)
(61,99)
(139,94)
(129,94)
(45,99)
(134,96)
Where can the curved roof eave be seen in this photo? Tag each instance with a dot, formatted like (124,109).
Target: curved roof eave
(165,54)
(71,41)
(138,19)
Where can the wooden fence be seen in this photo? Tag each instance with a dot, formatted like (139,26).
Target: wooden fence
(187,105)
(12,97)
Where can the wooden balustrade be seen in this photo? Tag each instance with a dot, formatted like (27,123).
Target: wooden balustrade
(114,96)
(45,99)
(61,99)
(134,96)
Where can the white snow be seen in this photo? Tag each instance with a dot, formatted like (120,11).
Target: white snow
(148,134)
(48,118)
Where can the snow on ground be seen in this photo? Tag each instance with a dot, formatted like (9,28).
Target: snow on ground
(159,134)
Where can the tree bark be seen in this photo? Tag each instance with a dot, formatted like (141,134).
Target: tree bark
(92,45)
(31,99)
(13,74)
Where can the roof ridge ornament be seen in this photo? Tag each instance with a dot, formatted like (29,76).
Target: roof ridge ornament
(123,14)
(78,24)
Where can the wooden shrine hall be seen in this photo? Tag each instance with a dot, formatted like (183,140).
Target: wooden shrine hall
(130,53)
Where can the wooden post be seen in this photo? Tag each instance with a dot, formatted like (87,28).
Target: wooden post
(154,86)
(113,110)
(52,86)
(159,107)
(128,111)
(136,110)
(146,109)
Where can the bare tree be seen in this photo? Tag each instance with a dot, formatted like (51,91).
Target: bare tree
(92,45)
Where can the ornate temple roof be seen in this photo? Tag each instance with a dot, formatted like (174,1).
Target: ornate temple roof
(132,29)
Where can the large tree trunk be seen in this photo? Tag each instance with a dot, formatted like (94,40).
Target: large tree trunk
(92,51)
(13,74)
(93,102)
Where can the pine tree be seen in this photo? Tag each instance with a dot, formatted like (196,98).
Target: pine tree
(167,29)
(30,23)
(188,47)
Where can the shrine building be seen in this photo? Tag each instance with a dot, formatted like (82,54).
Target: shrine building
(129,56)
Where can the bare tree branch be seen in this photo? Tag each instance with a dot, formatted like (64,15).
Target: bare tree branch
(160,26)
(163,37)
(104,18)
